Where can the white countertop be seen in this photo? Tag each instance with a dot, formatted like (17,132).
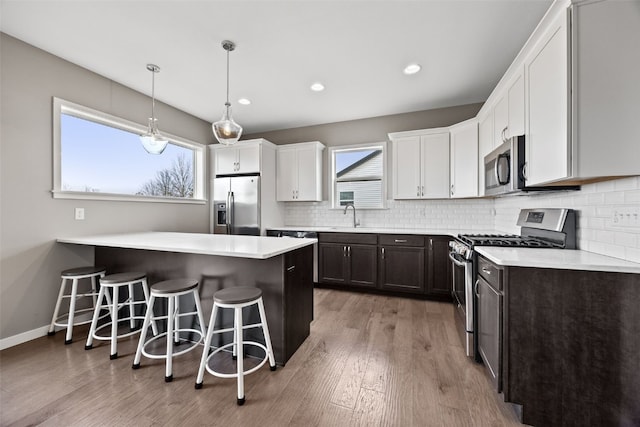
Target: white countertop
(564,259)
(422,231)
(257,247)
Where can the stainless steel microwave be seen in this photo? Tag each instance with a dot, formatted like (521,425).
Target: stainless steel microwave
(503,168)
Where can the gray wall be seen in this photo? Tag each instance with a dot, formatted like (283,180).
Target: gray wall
(30,219)
(374,129)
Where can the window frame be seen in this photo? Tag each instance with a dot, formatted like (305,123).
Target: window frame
(334,196)
(61,106)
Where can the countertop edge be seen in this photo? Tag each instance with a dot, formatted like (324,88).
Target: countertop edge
(558,259)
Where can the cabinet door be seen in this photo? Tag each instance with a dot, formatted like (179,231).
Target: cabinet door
(298,297)
(402,268)
(548,142)
(485,145)
(464,161)
(515,126)
(439,274)
(248,158)
(309,183)
(435,166)
(286,175)
(406,168)
(490,329)
(362,265)
(500,120)
(226,160)
(331,263)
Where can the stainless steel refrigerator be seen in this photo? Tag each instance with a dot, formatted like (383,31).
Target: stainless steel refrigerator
(236,206)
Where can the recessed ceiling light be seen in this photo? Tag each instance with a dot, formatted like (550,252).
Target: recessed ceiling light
(317,87)
(244,101)
(412,69)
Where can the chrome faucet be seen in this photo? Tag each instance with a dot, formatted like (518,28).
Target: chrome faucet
(355,221)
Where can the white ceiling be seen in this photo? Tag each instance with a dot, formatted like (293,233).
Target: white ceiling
(357,48)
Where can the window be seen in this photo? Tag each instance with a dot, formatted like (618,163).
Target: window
(357,176)
(99,156)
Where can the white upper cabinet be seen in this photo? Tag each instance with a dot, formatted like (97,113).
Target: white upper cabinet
(242,157)
(500,120)
(516,101)
(464,159)
(548,87)
(299,172)
(485,145)
(421,164)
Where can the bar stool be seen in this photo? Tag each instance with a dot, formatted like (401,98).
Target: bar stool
(236,298)
(171,290)
(74,275)
(115,282)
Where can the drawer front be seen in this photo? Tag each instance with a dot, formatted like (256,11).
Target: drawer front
(401,240)
(490,272)
(348,238)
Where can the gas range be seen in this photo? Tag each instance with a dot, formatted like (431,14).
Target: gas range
(539,228)
(511,240)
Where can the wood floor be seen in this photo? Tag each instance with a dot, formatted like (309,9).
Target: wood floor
(370,360)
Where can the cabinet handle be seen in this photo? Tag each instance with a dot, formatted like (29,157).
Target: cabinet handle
(344,251)
(452,189)
(431,243)
(524,171)
(293,267)
(418,192)
(504,131)
(476,288)
(423,190)
(382,252)
(400,240)
(486,271)
(349,251)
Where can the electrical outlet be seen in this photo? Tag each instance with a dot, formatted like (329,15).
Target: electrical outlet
(80,213)
(625,217)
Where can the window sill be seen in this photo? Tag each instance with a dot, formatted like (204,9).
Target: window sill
(76,195)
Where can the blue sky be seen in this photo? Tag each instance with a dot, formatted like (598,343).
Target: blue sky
(108,159)
(347,158)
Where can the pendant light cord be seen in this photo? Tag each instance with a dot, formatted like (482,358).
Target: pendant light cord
(153,98)
(227,103)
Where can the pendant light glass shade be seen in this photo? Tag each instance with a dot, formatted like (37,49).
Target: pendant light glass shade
(226,130)
(152,141)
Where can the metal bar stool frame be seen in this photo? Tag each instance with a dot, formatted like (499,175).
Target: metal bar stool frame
(237,344)
(70,274)
(173,327)
(114,306)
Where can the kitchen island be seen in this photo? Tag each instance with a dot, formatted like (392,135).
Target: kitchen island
(281,268)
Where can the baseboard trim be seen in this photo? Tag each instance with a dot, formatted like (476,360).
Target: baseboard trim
(35,333)
(23,337)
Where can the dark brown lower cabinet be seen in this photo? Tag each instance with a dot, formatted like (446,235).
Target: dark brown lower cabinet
(411,264)
(401,263)
(347,259)
(439,273)
(571,346)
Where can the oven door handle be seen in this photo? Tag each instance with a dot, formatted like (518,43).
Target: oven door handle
(455,261)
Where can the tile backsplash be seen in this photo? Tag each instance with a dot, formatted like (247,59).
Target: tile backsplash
(476,214)
(605,213)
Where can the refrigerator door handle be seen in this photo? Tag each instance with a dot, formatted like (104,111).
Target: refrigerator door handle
(230,212)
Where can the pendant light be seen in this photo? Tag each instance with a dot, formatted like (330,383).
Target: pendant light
(153,142)
(226,130)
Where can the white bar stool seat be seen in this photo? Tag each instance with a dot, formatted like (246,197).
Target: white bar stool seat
(171,290)
(236,298)
(112,304)
(74,275)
